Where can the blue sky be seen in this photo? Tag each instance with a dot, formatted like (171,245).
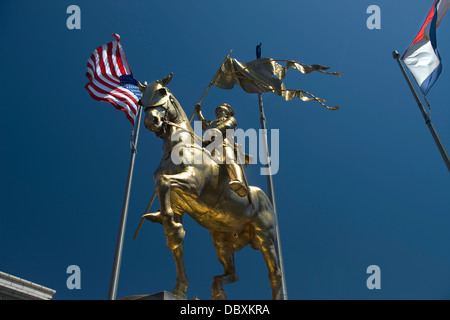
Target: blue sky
(364,185)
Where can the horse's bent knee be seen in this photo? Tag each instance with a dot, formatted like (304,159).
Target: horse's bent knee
(162,183)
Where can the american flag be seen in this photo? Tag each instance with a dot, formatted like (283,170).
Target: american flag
(111,79)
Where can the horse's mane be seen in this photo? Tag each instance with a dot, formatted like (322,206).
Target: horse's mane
(182,117)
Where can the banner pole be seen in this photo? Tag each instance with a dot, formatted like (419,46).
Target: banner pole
(209,85)
(270,188)
(425,115)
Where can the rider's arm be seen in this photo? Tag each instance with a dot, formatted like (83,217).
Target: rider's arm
(200,117)
(229,123)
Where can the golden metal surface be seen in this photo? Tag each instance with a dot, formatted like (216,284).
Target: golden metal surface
(257,76)
(202,190)
(225,120)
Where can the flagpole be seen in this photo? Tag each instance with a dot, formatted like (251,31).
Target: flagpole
(270,188)
(209,85)
(120,236)
(425,115)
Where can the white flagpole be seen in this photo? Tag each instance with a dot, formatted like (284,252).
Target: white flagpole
(112,293)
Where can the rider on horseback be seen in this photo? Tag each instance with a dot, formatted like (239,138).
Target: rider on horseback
(225,120)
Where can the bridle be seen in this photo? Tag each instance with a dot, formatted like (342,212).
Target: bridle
(168,123)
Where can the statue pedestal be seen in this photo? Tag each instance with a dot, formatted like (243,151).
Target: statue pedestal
(163,295)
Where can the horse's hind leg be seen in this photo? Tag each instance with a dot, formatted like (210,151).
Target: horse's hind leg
(223,243)
(265,240)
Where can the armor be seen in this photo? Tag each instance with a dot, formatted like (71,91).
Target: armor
(225,120)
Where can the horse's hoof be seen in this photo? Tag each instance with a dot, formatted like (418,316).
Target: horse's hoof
(153,217)
(175,237)
(219,295)
(179,294)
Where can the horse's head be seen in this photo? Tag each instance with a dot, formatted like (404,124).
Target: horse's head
(157,102)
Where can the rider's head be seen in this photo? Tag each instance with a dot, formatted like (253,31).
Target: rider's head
(224,110)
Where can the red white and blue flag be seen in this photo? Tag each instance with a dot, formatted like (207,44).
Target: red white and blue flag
(111,79)
(422,57)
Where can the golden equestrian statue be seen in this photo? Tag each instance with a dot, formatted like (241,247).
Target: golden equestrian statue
(202,189)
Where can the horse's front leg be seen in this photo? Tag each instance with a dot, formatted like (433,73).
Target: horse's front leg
(178,255)
(173,230)
(182,280)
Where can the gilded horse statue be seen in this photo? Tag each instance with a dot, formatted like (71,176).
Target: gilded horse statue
(201,189)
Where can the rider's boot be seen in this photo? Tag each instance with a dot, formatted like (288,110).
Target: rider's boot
(236,184)
(239,187)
